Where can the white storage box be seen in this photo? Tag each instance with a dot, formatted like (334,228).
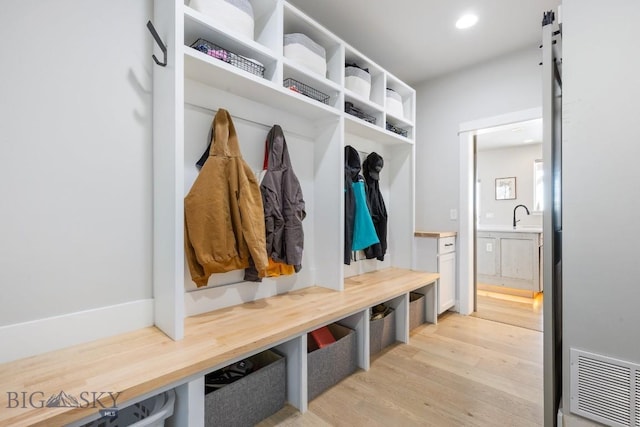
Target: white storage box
(358,81)
(304,51)
(151,412)
(394,103)
(235,16)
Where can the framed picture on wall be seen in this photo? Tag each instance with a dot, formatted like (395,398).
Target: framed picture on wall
(506,188)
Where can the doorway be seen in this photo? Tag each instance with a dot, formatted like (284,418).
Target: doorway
(508,203)
(470,301)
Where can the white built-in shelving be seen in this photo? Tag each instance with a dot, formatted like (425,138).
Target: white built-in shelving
(194,85)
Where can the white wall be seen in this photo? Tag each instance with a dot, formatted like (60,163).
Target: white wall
(507,162)
(601,191)
(506,84)
(75,156)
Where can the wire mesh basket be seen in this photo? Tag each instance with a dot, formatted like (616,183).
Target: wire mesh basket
(306,90)
(397,130)
(227,56)
(349,108)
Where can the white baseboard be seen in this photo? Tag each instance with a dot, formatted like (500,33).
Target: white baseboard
(39,336)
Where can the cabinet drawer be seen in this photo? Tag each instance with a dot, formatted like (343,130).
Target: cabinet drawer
(446,244)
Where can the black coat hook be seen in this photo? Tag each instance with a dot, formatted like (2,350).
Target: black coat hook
(163,47)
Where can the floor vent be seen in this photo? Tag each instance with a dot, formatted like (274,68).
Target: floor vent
(604,389)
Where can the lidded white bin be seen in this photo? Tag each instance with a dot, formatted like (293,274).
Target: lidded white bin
(236,16)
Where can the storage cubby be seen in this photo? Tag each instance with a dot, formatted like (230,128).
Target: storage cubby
(407,99)
(378,78)
(267,24)
(266,18)
(365,111)
(199,26)
(324,86)
(296,21)
(396,178)
(310,149)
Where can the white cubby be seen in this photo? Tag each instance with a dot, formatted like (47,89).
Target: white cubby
(329,88)
(189,91)
(377,74)
(295,21)
(408,102)
(198,25)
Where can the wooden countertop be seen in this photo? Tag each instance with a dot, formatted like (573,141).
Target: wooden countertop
(435,234)
(146,360)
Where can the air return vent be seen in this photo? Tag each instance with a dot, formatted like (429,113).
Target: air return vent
(604,389)
(637,396)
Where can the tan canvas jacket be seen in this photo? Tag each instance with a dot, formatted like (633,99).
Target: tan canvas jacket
(224,217)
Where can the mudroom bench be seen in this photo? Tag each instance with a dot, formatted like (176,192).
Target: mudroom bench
(145,362)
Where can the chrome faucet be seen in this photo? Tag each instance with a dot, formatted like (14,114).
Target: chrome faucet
(514,214)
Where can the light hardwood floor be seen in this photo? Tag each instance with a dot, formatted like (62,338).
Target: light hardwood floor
(510,309)
(465,371)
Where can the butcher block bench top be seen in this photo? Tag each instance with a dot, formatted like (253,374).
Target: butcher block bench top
(146,360)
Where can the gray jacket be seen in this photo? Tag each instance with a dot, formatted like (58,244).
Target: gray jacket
(283,203)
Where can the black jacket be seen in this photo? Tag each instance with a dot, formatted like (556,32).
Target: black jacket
(371,170)
(351,174)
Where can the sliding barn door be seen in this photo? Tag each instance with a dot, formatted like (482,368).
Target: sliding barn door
(552,219)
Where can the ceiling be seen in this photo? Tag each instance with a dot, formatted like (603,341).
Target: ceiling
(512,135)
(417,40)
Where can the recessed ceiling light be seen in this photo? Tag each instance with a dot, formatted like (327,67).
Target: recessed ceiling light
(528,141)
(466,21)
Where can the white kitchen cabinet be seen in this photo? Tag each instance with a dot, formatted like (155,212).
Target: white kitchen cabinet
(509,258)
(436,252)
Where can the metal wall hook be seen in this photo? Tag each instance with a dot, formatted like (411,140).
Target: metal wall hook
(163,47)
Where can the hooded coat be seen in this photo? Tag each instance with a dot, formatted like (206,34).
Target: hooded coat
(284,207)
(371,168)
(351,170)
(224,221)
(359,230)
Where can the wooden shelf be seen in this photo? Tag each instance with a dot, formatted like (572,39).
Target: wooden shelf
(435,234)
(147,361)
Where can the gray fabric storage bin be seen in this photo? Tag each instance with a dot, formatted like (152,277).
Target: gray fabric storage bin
(417,315)
(327,366)
(382,333)
(251,399)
